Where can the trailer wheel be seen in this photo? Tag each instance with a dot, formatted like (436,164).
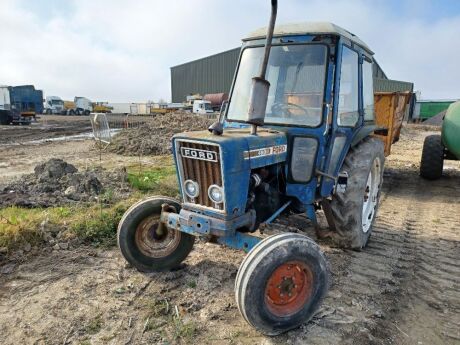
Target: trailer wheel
(432,158)
(141,243)
(281,283)
(354,210)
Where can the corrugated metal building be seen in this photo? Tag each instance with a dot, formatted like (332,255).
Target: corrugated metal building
(214,74)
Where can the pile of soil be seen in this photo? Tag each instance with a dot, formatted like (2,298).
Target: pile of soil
(436,120)
(57,182)
(155,138)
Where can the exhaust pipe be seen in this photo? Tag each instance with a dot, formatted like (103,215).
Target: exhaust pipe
(260,86)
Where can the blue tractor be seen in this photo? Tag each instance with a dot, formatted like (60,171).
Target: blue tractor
(303,99)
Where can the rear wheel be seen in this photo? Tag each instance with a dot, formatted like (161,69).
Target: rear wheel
(86,112)
(432,158)
(146,245)
(355,209)
(281,283)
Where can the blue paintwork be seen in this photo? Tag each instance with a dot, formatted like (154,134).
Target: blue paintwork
(234,142)
(277,213)
(26,98)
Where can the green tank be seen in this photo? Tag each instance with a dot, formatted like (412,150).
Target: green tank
(451,129)
(438,148)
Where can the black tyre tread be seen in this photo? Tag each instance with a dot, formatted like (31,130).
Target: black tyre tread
(171,262)
(347,207)
(251,260)
(249,266)
(432,158)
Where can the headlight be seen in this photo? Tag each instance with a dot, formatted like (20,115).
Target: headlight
(191,188)
(216,194)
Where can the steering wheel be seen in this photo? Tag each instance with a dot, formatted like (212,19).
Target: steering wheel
(284,107)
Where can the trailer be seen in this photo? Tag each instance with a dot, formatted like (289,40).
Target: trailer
(20,104)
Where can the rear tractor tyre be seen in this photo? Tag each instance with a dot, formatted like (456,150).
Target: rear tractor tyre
(354,210)
(144,245)
(432,158)
(281,283)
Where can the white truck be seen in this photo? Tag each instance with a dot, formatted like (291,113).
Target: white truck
(83,106)
(54,105)
(5,106)
(202,107)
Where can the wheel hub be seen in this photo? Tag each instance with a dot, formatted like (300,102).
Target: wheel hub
(371,195)
(288,288)
(154,240)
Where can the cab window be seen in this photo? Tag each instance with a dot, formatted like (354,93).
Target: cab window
(348,109)
(368,91)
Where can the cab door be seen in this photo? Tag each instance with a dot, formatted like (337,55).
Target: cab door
(346,116)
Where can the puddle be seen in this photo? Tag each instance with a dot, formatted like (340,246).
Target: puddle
(75,137)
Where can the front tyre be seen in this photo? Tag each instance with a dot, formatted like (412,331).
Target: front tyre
(354,210)
(281,283)
(144,244)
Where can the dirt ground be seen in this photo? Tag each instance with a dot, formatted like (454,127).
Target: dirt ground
(402,289)
(56,136)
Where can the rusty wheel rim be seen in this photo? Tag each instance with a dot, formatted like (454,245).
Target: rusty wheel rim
(152,241)
(288,288)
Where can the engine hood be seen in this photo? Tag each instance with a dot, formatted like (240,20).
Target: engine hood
(243,151)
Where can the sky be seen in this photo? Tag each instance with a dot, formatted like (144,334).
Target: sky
(122,51)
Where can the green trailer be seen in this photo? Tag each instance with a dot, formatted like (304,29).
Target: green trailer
(437,148)
(429,109)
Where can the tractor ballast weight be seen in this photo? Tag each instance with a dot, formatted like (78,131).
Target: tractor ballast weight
(314,150)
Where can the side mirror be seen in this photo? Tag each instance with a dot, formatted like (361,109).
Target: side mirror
(258,101)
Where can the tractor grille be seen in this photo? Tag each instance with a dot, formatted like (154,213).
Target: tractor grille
(200,163)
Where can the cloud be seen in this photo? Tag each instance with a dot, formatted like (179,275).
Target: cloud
(121,51)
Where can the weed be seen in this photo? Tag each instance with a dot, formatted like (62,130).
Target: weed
(94,325)
(158,308)
(184,330)
(192,284)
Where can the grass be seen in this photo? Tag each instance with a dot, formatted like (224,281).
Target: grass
(151,179)
(94,224)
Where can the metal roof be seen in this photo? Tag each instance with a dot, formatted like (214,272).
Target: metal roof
(308,28)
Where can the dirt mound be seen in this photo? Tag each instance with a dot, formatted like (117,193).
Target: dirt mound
(155,138)
(436,120)
(57,182)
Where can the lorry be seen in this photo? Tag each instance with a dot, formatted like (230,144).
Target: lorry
(79,106)
(438,148)
(304,96)
(202,107)
(54,105)
(19,104)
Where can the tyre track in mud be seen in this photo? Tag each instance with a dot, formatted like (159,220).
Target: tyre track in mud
(403,288)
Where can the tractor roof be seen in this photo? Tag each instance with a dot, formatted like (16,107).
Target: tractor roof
(308,28)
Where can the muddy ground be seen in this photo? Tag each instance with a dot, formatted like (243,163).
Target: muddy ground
(402,289)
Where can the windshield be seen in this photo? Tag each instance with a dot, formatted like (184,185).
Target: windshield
(57,102)
(207,106)
(296,74)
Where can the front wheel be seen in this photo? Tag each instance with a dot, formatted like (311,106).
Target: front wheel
(281,283)
(148,246)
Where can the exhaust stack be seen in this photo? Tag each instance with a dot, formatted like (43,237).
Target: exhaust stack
(260,86)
